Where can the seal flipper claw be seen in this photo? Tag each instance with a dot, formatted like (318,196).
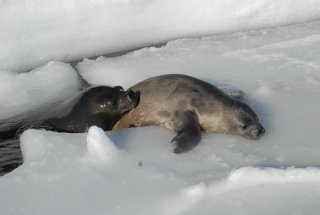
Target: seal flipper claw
(189,134)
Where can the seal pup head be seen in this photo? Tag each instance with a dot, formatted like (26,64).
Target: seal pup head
(231,116)
(112,99)
(107,105)
(101,106)
(243,121)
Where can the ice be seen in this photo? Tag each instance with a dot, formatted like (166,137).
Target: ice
(100,147)
(184,201)
(133,171)
(57,172)
(264,91)
(240,183)
(38,31)
(53,82)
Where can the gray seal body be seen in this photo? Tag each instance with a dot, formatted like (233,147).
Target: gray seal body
(188,105)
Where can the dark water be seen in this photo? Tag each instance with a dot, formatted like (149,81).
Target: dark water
(10,155)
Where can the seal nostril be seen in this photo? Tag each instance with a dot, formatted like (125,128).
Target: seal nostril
(260,131)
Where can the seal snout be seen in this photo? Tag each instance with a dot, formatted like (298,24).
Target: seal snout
(258,132)
(132,93)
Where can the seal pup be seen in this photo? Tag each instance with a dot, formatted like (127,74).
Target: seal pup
(101,106)
(188,105)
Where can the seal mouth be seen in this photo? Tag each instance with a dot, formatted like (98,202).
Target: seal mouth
(133,98)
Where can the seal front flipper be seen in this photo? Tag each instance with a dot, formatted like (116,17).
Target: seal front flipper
(237,94)
(188,129)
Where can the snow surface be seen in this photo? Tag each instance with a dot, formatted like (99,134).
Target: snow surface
(53,82)
(133,171)
(38,31)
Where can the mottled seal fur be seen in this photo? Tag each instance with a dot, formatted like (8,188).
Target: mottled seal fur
(188,105)
(101,106)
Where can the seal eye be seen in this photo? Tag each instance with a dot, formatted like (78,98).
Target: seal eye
(244,127)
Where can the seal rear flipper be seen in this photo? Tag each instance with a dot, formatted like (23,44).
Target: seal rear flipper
(189,134)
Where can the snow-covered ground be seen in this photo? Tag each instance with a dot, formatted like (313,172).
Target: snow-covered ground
(38,31)
(133,171)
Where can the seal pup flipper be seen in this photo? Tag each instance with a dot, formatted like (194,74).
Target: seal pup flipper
(237,94)
(189,133)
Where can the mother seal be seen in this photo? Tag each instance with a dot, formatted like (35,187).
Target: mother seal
(188,105)
(101,106)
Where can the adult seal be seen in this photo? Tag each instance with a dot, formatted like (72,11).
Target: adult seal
(188,105)
(101,106)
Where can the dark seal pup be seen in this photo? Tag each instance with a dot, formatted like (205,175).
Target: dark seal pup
(101,106)
(188,105)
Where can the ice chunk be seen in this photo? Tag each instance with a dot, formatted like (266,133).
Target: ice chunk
(240,179)
(100,147)
(50,83)
(247,177)
(33,145)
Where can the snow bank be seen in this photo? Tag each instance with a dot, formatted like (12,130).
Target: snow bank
(227,61)
(36,32)
(240,179)
(52,82)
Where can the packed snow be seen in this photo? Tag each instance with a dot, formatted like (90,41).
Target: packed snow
(34,32)
(133,171)
(53,82)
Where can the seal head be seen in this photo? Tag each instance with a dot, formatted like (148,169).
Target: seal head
(101,106)
(243,121)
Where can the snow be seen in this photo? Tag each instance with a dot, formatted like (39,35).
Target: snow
(100,147)
(133,171)
(77,29)
(23,92)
